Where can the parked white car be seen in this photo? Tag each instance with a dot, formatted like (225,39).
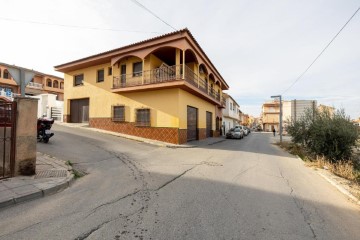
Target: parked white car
(244,129)
(235,133)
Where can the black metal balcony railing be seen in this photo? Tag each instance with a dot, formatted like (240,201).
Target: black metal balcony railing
(161,75)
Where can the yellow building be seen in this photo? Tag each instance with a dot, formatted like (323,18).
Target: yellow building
(270,116)
(328,109)
(40,84)
(164,88)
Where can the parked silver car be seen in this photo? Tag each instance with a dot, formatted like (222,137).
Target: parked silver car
(244,129)
(235,132)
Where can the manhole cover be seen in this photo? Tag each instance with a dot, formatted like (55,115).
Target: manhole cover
(51,174)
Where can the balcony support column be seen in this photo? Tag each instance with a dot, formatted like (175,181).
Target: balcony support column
(198,75)
(142,75)
(183,66)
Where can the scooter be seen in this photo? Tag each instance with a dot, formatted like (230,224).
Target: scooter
(43,129)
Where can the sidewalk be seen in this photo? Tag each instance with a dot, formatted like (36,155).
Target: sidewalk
(52,176)
(192,144)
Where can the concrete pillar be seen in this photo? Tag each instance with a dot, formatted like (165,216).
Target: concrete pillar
(198,75)
(26,132)
(142,75)
(183,75)
(177,62)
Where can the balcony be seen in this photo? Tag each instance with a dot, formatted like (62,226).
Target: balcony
(35,85)
(166,77)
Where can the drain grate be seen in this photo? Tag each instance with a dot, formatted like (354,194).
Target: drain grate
(51,174)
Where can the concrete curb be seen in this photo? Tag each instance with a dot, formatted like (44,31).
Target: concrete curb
(41,191)
(337,186)
(340,188)
(38,194)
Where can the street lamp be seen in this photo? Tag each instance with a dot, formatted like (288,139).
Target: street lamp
(280,127)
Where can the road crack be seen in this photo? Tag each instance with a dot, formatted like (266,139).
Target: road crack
(174,179)
(87,234)
(298,205)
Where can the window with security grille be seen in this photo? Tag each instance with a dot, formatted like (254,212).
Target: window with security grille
(143,117)
(118,113)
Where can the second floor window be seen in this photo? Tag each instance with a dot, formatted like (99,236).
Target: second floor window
(100,75)
(79,80)
(137,69)
(49,83)
(6,74)
(143,117)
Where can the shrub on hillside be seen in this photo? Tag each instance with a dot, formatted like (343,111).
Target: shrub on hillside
(323,133)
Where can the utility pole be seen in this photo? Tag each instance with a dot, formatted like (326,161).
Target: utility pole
(280,127)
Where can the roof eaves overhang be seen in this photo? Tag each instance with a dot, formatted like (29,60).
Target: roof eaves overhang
(105,57)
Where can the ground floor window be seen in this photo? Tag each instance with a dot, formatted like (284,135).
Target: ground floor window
(118,113)
(143,117)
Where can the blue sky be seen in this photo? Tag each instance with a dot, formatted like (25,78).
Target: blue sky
(259,47)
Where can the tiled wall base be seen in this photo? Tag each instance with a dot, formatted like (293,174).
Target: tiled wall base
(170,135)
(182,136)
(202,133)
(216,133)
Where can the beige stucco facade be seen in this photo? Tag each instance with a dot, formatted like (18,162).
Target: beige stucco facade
(165,76)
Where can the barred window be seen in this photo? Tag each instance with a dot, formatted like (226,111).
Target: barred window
(78,80)
(143,117)
(118,113)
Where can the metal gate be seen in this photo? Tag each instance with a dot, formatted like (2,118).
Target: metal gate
(79,110)
(191,123)
(7,138)
(208,124)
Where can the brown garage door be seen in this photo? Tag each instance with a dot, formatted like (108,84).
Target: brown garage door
(79,110)
(208,124)
(191,123)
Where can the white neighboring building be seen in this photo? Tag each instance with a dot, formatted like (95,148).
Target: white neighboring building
(231,113)
(293,110)
(49,107)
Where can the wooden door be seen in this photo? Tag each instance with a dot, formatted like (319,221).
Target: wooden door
(123,75)
(192,123)
(208,124)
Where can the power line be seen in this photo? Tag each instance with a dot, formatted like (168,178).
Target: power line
(75,26)
(321,52)
(152,13)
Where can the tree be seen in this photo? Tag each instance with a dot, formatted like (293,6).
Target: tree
(323,133)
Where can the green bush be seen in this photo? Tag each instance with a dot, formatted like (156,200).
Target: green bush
(323,133)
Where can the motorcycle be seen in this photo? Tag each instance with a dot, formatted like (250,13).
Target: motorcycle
(43,129)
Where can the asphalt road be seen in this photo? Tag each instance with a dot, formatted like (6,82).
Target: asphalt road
(236,189)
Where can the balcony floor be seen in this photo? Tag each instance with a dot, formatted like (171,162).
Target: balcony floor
(182,84)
